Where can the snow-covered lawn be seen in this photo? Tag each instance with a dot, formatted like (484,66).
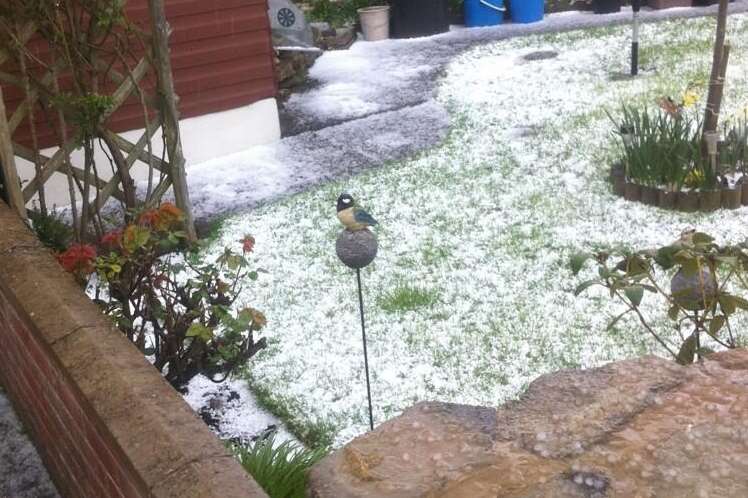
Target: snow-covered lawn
(470,298)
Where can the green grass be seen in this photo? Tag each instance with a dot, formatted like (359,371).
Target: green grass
(316,434)
(281,470)
(407,298)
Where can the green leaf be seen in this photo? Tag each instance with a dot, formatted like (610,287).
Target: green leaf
(584,286)
(687,351)
(252,275)
(200,331)
(728,304)
(577,262)
(702,238)
(665,257)
(637,266)
(716,324)
(673,312)
(635,294)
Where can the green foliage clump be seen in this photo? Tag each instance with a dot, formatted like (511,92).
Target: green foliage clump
(315,434)
(51,230)
(407,298)
(281,470)
(86,112)
(666,148)
(339,13)
(662,149)
(706,283)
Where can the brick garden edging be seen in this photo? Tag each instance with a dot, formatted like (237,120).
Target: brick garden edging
(105,423)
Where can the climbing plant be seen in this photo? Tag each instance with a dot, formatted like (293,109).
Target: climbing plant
(91,61)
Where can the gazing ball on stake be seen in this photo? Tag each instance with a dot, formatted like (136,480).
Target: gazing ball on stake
(357,247)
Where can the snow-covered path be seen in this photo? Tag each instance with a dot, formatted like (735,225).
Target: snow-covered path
(371,104)
(22,474)
(393,75)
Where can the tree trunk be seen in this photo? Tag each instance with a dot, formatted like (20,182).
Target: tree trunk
(716,83)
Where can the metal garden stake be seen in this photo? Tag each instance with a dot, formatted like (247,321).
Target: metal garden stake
(357,249)
(635,5)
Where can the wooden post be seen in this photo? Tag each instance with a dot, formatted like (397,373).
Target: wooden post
(716,83)
(170,116)
(8,162)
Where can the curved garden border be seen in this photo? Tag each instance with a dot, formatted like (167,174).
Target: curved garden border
(686,201)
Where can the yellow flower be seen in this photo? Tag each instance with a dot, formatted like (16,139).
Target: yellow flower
(690,99)
(694,179)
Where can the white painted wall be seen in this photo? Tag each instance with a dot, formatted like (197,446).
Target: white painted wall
(203,138)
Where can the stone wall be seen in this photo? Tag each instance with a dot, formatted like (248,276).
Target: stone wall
(645,428)
(105,423)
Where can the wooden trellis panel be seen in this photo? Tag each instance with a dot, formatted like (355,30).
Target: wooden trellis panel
(170,169)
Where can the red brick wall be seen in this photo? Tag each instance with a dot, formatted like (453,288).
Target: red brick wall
(222,58)
(104,420)
(70,439)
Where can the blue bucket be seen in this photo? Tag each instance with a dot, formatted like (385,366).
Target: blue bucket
(483,12)
(526,11)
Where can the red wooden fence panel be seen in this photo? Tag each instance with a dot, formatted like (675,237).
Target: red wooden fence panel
(222,58)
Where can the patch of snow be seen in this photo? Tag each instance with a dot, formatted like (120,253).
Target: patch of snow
(238,415)
(264,173)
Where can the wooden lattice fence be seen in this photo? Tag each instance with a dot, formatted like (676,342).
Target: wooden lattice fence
(96,61)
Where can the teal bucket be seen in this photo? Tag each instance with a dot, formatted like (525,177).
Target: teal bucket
(527,11)
(484,13)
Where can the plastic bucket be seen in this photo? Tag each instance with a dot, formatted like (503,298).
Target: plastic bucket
(526,11)
(483,12)
(375,22)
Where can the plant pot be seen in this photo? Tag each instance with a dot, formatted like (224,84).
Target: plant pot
(485,13)
(711,200)
(606,6)
(632,192)
(526,11)
(412,18)
(650,196)
(688,202)
(375,22)
(732,197)
(667,199)
(667,4)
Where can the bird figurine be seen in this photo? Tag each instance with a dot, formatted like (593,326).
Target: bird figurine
(353,217)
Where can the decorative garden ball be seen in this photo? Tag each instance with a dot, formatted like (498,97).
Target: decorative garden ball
(356,249)
(694,292)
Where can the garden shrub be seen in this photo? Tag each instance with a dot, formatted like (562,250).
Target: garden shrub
(706,283)
(281,470)
(341,12)
(176,308)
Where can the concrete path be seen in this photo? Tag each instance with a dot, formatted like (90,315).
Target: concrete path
(22,474)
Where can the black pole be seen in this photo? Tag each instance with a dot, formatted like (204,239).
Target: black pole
(366,354)
(635,5)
